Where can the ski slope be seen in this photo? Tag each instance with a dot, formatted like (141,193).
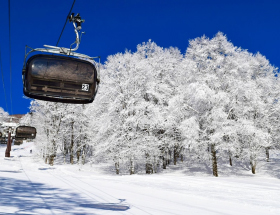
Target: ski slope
(28,186)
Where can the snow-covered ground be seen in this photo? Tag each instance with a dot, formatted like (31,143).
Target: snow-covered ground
(28,186)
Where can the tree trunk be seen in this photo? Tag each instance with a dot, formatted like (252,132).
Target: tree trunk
(83,157)
(65,150)
(149,168)
(46,159)
(253,164)
(164,162)
(78,155)
(131,167)
(51,160)
(168,156)
(64,156)
(72,145)
(267,153)
(182,158)
(117,167)
(214,160)
(175,155)
(71,158)
(149,165)
(53,155)
(158,164)
(155,164)
(254,169)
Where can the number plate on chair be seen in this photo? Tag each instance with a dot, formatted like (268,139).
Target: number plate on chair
(85,87)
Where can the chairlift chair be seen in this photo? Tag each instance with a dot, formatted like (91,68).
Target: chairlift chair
(62,75)
(25,132)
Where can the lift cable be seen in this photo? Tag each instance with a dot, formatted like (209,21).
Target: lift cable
(65,22)
(1,68)
(10,56)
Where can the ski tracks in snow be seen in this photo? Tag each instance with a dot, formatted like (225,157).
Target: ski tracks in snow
(95,193)
(43,199)
(88,200)
(32,187)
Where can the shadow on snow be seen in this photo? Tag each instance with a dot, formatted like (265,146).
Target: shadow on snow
(26,197)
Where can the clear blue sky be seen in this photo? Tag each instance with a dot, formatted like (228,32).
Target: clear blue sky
(113,26)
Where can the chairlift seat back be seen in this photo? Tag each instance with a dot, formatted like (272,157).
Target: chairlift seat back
(60,79)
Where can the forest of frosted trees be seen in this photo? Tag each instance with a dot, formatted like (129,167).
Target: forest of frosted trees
(157,107)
